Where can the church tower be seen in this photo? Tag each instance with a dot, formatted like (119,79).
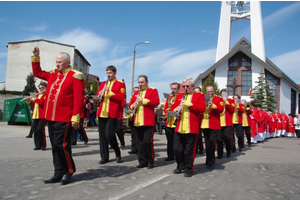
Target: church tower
(235,10)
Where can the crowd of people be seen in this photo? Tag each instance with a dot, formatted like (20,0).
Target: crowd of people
(188,118)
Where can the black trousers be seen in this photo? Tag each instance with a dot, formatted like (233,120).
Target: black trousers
(238,131)
(81,131)
(248,134)
(107,129)
(170,141)
(145,144)
(298,133)
(60,138)
(31,128)
(133,139)
(199,141)
(185,150)
(120,131)
(224,136)
(210,136)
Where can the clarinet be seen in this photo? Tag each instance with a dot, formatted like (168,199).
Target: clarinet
(101,96)
(180,108)
(134,110)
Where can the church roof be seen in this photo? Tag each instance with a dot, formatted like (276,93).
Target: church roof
(243,45)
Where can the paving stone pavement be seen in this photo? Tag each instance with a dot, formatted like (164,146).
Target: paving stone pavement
(268,170)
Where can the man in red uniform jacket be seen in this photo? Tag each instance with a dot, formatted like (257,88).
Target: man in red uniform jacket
(170,127)
(247,121)
(143,103)
(210,124)
(188,105)
(63,105)
(112,93)
(38,127)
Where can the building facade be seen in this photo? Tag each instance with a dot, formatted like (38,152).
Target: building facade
(19,64)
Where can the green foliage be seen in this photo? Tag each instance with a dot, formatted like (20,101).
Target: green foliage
(262,94)
(87,84)
(30,86)
(3,91)
(94,87)
(210,80)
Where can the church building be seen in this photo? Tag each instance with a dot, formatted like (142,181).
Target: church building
(240,66)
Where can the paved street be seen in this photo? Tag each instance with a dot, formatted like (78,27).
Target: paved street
(268,170)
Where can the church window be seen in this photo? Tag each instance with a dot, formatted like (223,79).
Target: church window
(246,82)
(246,61)
(233,61)
(273,82)
(232,74)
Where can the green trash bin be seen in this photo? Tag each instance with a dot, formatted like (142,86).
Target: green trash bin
(16,111)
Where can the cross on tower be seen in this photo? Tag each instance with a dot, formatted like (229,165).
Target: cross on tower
(234,86)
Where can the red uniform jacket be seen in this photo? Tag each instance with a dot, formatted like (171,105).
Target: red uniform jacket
(246,117)
(144,115)
(64,101)
(277,118)
(226,115)
(170,120)
(189,118)
(238,114)
(211,116)
(120,117)
(38,104)
(112,100)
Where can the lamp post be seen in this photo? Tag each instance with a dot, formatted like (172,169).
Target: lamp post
(133,65)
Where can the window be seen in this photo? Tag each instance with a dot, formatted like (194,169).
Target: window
(230,78)
(293,102)
(233,61)
(246,61)
(246,82)
(273,82)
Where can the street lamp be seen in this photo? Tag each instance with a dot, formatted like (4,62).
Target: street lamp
(146,42)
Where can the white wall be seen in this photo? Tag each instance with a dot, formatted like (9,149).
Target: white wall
(285,97)
(221,75)
(19,63)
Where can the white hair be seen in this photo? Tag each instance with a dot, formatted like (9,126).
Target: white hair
(188,79)
(66,55)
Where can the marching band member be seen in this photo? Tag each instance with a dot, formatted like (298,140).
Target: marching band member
(247,121)
(211,124)
(63,104)
(143,103)
(133,132)
(38,127)
(237,124)
(112,93)
(188,105)
(170,127)
(224,135)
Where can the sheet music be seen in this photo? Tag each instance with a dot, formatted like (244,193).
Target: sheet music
(173,113)
(95,97)
(167,96)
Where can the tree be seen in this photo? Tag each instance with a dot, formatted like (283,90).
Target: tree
(87,84)
(210,80)
(94,87)
(262,94)
(30,86)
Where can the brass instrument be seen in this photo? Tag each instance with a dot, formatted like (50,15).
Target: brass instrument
(180,108)
(134,110)
(169,106)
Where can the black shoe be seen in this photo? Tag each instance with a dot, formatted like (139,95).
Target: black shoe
(140,166)
(178,171)
(249,145)
(233,150)
(101,162)
(53,180)
(209,164)
(122,146)
(118,159)
(169,159)
(240,149)
(132,152)
(85,142)
(188,174)
(43,148)
(228,154)
(29,136)
(150,166)
(201,152)
(219,157)
(36,148)
(66,178)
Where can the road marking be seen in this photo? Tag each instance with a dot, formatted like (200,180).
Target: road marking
(138,187)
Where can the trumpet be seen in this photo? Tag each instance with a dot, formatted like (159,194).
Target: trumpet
(180,108)
(134,110)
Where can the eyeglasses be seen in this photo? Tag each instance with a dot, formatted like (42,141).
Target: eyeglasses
(41,88)
(186,86)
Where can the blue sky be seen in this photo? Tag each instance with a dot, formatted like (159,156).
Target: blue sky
(183,35)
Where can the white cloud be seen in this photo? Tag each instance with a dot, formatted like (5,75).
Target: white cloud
(85,41)
(289,63)
(38,28)
(3,54)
